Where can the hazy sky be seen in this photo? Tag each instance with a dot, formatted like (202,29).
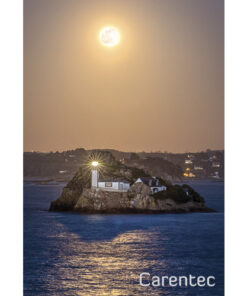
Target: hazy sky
(160,88)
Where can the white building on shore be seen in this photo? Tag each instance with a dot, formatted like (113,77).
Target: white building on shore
(119,185)
(107,184)
(152,182)
(113,185)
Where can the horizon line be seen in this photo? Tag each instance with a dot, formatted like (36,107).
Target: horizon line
(108,149)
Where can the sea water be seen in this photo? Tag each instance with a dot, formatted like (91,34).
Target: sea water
(74,254)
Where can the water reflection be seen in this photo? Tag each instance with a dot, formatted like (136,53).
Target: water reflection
(67,254)
(106,268)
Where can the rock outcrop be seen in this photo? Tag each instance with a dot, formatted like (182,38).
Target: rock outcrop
(137,200)
(78,196)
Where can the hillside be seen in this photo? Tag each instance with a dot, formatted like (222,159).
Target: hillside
(62,166)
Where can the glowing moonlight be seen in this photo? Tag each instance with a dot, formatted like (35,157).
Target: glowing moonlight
(109,36)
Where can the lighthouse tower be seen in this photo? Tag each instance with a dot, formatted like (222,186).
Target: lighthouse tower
(95,174)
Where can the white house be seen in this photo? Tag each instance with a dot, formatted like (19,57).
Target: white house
(108,184)
(113,185)
(198,168)
(216,165)
(152,182)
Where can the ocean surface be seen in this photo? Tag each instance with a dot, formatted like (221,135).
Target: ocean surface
(73,254)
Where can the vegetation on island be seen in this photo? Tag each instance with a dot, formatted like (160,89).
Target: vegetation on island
(180,194)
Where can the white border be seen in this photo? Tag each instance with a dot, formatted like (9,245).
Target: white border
(235,146)
(11,89)
(11,14)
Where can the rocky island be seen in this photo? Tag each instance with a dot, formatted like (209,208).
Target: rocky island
(80,195)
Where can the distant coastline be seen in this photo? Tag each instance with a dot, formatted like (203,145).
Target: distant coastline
(175,167)
(51,181)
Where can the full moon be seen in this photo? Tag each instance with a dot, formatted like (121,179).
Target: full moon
(109,36)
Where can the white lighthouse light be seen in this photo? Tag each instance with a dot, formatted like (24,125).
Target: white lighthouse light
(95,164)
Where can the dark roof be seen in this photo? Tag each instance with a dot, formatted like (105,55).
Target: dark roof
(150,181)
